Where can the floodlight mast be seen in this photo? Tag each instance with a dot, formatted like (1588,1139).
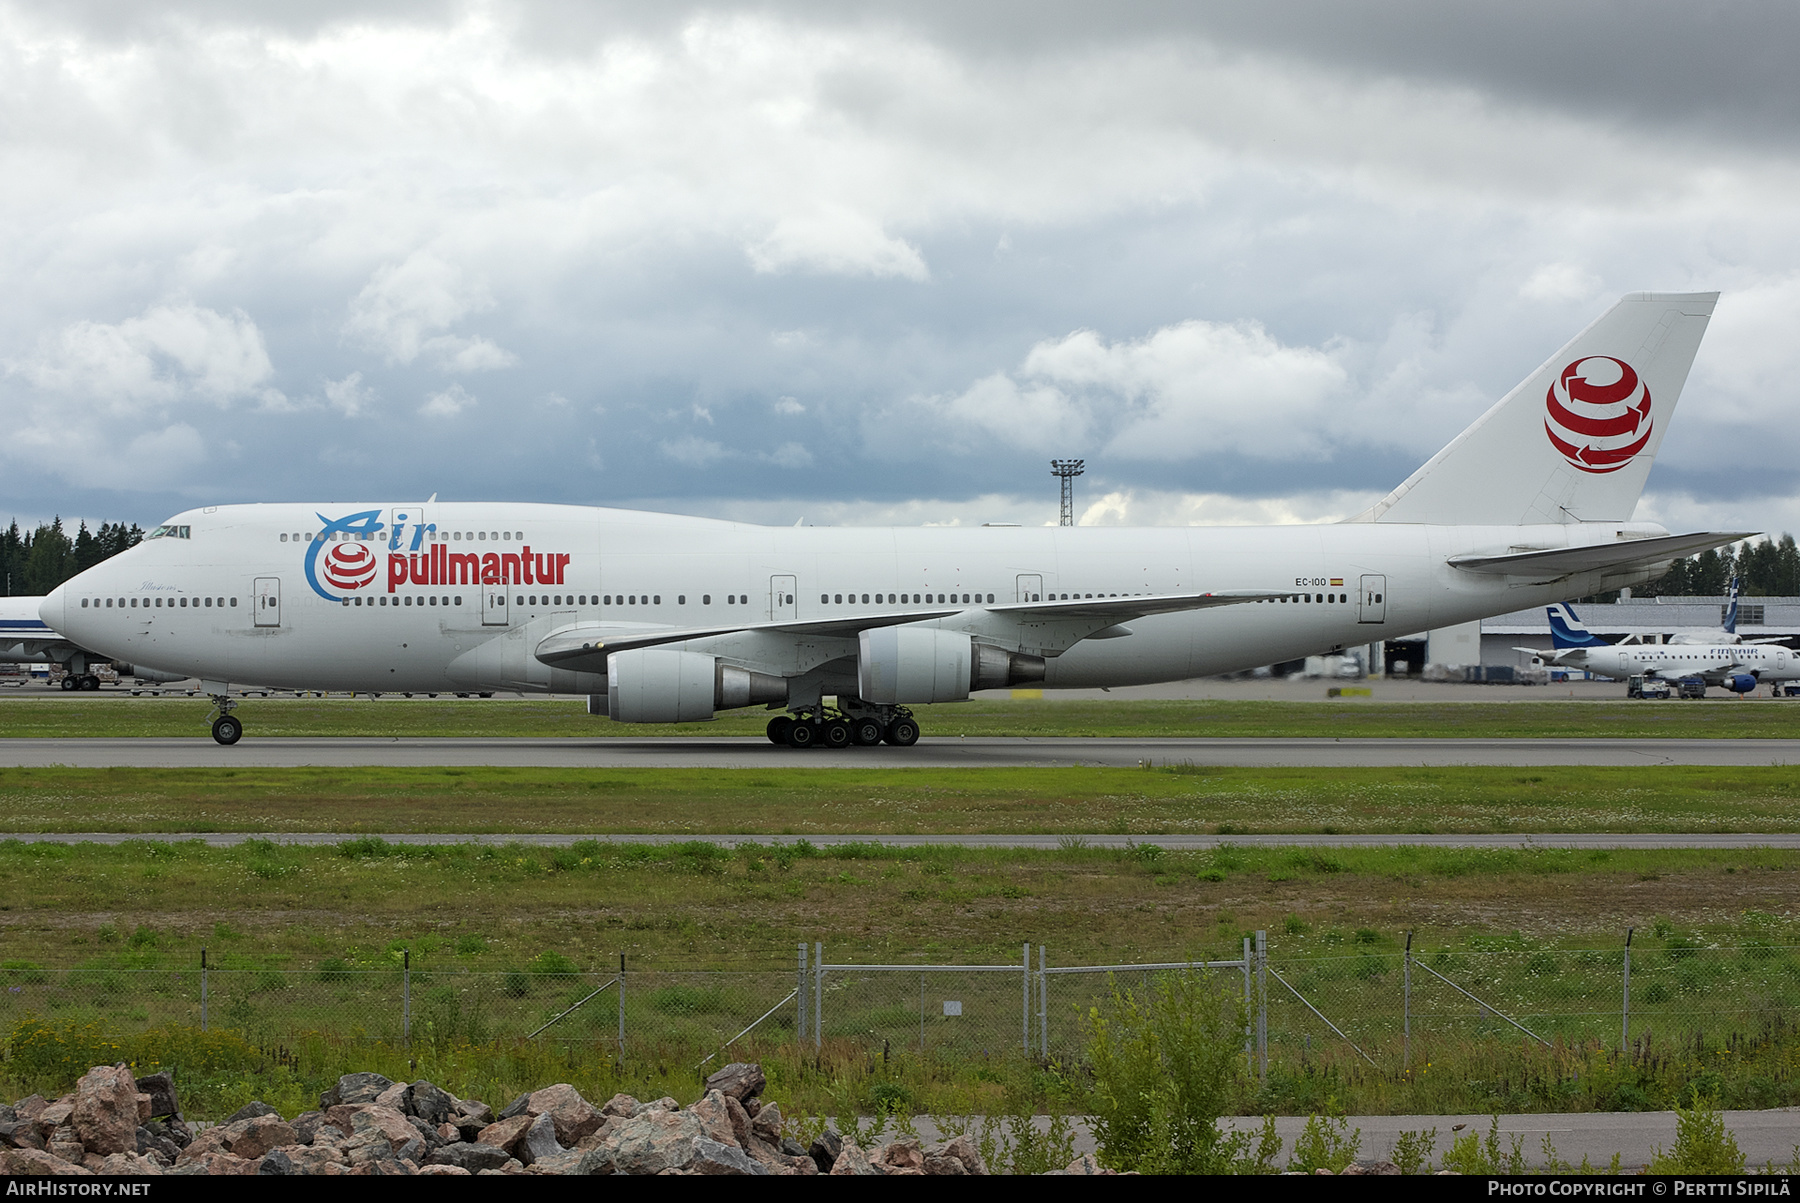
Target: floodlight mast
(1068,470)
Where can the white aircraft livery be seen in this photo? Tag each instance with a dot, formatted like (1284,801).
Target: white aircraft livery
(661,618)
(1739,667)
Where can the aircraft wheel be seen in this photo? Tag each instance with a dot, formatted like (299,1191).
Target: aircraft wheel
(90,683)
(865,732)
(227,730)
(778,728)
(70,684)
(802,734)
(903,733)
(837,734)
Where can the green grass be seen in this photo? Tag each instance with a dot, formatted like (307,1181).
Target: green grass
(58,717)
(1170,799)
(306,946)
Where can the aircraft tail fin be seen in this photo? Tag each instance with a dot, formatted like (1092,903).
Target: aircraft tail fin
(1568,631)
(1730,623)
(1575,440)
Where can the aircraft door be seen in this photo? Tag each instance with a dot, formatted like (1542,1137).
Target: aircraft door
(1372,602)
(1031,588)
(493,606)
(782,603)
(268,601)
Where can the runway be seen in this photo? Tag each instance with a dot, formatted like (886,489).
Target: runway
(1174,843)
(940,753)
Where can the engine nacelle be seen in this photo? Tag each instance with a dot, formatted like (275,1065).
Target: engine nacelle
(1740,682)
(661,685)
(916,665)
(147,674)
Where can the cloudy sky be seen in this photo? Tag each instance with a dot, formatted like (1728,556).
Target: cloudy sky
(871,263)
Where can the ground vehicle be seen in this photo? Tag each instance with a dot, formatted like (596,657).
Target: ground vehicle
(1646,687)
(1693,687)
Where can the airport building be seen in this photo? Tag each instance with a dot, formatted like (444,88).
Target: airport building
(1493,641)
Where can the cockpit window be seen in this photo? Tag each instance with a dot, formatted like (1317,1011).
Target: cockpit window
(167,531)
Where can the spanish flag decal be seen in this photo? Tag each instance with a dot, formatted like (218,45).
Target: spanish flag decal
(1337,582)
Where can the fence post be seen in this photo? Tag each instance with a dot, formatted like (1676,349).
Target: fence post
(621,1008)
(1406,1007)
(1625,999)
(921,1015)
(1249,1012)
(1043,1003)
(1025,982)
(203,989)
(800,994)
(406,995)
(1262,1006)
(818,994)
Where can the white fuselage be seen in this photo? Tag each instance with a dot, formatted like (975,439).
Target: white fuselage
(456,596)
(1765,662)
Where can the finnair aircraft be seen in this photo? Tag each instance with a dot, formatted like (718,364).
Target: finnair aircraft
(660,618)
(1739,667)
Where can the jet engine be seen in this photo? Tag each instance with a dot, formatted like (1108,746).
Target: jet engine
(155,676)
(660,685)
(1740,682)
(913,665)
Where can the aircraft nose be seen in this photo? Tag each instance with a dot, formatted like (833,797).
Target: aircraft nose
(54,609)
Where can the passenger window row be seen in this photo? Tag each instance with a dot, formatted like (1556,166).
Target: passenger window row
(183,602)
(1323,599)
(900,599)
(511,536)
(405,599)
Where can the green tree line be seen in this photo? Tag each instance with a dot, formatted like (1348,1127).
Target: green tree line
(1769,568)
(34,562)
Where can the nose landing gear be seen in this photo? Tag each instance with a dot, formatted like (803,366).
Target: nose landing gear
(226,729)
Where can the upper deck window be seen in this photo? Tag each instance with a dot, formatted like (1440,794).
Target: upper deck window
(167,531)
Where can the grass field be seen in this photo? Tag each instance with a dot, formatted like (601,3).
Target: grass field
(312,935)
(48,717)
(1168,799)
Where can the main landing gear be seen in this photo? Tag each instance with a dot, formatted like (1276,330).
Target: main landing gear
(226,729)
(857,724)
(72,683)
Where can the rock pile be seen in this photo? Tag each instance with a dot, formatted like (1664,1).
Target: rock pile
(115,1124)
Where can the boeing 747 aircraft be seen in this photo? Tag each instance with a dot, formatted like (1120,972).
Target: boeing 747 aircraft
(660,618)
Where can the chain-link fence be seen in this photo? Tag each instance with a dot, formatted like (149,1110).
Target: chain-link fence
(1388,1007)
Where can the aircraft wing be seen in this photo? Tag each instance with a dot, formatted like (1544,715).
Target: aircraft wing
(585,646)
(1626,553)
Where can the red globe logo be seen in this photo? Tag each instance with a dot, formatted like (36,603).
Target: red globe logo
(349,566)
(1598,414)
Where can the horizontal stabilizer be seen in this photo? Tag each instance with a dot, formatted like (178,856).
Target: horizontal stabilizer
(1594,557)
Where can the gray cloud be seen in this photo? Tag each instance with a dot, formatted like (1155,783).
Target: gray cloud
(1249,260)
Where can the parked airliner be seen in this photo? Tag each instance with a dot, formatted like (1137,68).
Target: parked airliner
(1739,667)
(660,618)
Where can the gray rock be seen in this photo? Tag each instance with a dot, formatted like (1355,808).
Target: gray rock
(430,1103)
(306,1126)
(793,1148)
(277,1162)
(740,1080)
(250,1110)
(475,1109)
(7,1114)
(161,1089)
(20,1134)
(826,1150)
(665,1141)
(540,1141)
(516,1107)
(354,1088)
(471,1157)
(144,1140)
(427,1132)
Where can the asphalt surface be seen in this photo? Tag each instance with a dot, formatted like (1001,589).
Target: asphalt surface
(1762,1136)
(1174,843)
(751,752)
